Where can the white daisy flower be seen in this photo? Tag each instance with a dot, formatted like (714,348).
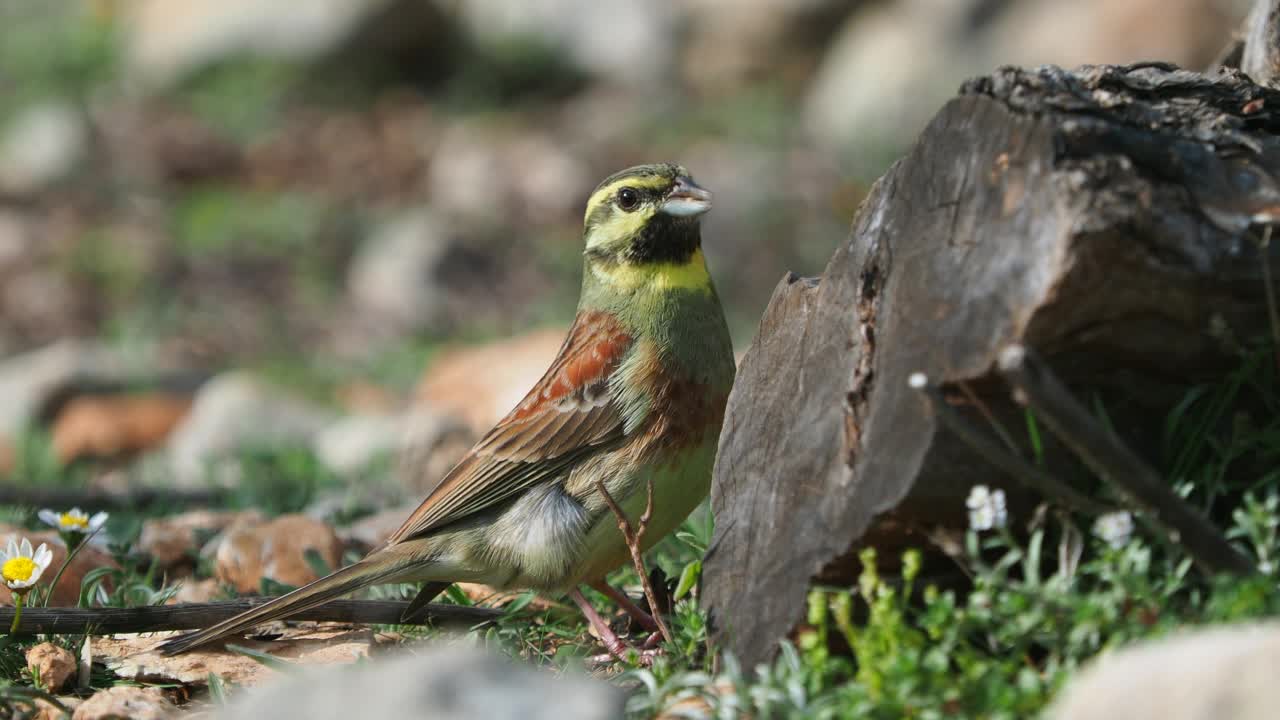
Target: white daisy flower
(73,521)
(1115,528)
(20,567)
(987,508)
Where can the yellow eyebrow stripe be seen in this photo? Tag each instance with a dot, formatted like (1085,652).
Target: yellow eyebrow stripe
(604,193)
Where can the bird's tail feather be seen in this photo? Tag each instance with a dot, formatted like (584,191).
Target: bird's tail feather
(348,579)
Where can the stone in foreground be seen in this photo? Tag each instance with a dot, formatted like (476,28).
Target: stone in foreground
(448,682)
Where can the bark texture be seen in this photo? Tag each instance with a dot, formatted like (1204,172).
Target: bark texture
(1100,216)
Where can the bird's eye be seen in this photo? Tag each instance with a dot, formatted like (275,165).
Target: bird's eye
(628,199)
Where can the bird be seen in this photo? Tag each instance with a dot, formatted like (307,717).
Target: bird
(631,406)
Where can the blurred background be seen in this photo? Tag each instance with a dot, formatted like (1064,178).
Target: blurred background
(231,223)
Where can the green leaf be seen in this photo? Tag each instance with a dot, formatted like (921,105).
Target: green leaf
(316,562)
(217,690)
(266,659)
(688,578)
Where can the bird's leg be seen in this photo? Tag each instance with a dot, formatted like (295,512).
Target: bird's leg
(612,643)
(650,643)
(632,538)
(639,615)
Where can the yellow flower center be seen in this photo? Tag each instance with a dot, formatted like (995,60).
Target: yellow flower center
(74,522)
(18,569)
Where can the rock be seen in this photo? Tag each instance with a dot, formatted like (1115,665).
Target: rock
(46,710)
(115,426)
(167,41)
(735,43)
(235,412)
(369,532)
(54,665)
(275,549)
(133,656)
(15,239)
(191,590)
(528,174)
(123,701)
(40,146)
(176,540)
(29,380)
(452,384)
(432,444)
(1188,33)
(625,42)
(394,278)
(353,443)
(1194,675)
(8,456)
(447,682)
(893,64)
(68,591)
(42,302)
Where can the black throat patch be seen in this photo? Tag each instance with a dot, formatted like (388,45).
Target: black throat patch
(664,239)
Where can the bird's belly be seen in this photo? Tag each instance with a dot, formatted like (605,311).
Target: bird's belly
(553,539)
(679,485)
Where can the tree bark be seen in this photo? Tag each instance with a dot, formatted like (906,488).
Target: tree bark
(1101,217)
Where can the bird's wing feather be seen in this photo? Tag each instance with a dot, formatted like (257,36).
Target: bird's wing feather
(569,413)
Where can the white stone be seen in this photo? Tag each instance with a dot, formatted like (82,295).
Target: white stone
(40,146)
(1222,672)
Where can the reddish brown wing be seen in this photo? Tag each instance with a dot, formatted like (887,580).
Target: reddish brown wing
(569,413)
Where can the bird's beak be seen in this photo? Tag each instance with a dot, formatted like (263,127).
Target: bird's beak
(686,199)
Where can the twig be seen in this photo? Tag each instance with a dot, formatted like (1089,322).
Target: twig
(195,616)
(1104,452)
(1272,314)
(92,500)
(633,538)
(991,418)
(1018,468)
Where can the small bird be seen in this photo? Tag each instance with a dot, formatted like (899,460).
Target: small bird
(633,401)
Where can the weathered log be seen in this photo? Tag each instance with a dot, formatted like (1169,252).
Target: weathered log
(1101,217)
(196,616)
(1260,41)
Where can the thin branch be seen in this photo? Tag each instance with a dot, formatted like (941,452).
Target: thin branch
(1015,466)
(1104,452)
(632,539)
(991,418)
(91,500)
(196,616)
(1269,286)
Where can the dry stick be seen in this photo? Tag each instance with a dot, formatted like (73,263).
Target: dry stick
(1104,452)
(1021,470)
(98,500)
(632,538)
(197,616)
(992,420)
(1272,314)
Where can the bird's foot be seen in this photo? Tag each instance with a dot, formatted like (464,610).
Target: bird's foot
(637,613)
(643,658)
(618,649)
(633,538)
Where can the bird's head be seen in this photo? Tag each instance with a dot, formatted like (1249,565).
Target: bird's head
(641,227)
